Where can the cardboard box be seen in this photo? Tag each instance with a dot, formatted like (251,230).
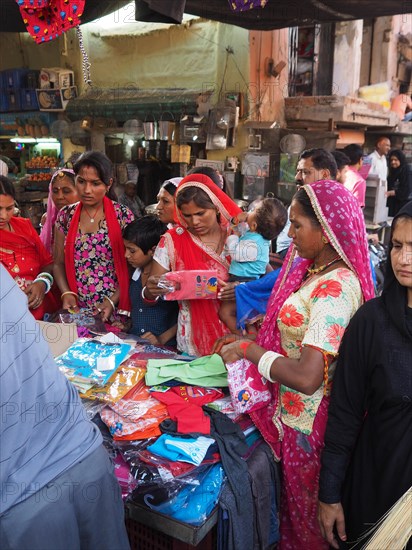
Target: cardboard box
(56,77)
(59,336)
(55,99)
(180,153)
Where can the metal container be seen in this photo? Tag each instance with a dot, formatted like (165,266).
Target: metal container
(150,130)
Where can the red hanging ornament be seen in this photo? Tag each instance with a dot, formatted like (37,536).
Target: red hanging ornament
(48,19)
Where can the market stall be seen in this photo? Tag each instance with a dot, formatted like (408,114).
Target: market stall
(186,457)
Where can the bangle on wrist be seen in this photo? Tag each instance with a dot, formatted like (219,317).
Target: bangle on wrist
(46,275)
(244,346)
(45,281)
(69,292)
(148,300)
(111,303)
(266,362)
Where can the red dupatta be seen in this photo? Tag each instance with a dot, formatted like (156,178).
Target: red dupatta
(116,241)
(189,252)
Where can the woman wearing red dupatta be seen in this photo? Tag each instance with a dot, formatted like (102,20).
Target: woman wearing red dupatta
(295,352)
(90,265)
(23,255)
(203,213)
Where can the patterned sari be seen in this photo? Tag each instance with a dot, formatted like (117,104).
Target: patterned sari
(199,325)
(294,424)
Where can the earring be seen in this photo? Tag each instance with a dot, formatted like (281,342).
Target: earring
(325,240)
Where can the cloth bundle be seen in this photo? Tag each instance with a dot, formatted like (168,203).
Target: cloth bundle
(208,371)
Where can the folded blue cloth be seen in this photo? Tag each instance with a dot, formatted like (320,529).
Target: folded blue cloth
(184,449)
(252,298)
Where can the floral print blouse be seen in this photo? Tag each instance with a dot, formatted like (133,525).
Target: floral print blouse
(96,276)
(317,316)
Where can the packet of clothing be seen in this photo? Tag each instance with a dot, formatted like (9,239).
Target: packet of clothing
(173,447)
(118,385)
(90,361)
(189,285)
(196,500)
(83,318)
(134,419)
(248,391)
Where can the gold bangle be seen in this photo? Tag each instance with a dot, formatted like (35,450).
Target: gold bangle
(110,302)
(69,292)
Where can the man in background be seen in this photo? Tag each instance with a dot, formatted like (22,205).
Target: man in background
(130,199)
(354,182)
(379,164)
(313,165)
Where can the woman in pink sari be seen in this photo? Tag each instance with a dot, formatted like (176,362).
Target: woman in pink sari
(203,213)
(325,278)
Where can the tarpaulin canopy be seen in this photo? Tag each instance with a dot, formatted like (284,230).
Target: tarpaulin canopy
(275,15)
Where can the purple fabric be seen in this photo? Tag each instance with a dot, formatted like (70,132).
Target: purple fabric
(245,5)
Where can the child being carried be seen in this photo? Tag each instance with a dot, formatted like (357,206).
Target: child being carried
(249,250)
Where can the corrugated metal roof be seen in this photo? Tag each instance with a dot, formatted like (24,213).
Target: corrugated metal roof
(128,103)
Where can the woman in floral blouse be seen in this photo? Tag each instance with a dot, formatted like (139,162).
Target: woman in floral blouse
(90,266)
(325,278)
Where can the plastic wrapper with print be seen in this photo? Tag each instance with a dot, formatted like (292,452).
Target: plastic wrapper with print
(189,285)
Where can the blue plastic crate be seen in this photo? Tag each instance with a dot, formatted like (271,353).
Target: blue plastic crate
(28,99)
(14,100)
(15,78)
(4,101)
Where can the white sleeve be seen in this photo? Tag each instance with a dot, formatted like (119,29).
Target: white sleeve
(161,255)
(242,250)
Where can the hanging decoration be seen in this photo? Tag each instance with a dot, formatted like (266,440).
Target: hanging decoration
(245,5)
(48,19)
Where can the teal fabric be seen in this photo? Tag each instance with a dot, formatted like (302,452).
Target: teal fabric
(208,371)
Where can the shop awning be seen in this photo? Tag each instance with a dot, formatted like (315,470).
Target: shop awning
(123,104)
(276,14)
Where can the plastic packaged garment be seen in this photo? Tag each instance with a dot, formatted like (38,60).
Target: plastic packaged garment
(248,392)
(134,419)
(189,284)
(191,450)
(119,384)
(91,362)
(195,501)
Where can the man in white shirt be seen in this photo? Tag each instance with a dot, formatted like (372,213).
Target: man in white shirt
(379,165)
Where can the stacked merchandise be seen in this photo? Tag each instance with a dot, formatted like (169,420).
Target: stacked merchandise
(178,444)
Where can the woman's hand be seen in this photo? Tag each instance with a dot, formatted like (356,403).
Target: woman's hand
(152,290)
(328,516)
(223,341)
(105,309)
(35,294)
(226,291)
(232,352)
(69,301)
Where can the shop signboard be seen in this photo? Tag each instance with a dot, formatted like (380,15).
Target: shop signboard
(55,99)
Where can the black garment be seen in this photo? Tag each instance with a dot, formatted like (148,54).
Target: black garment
(366,462)
(232,446)
(399,180)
